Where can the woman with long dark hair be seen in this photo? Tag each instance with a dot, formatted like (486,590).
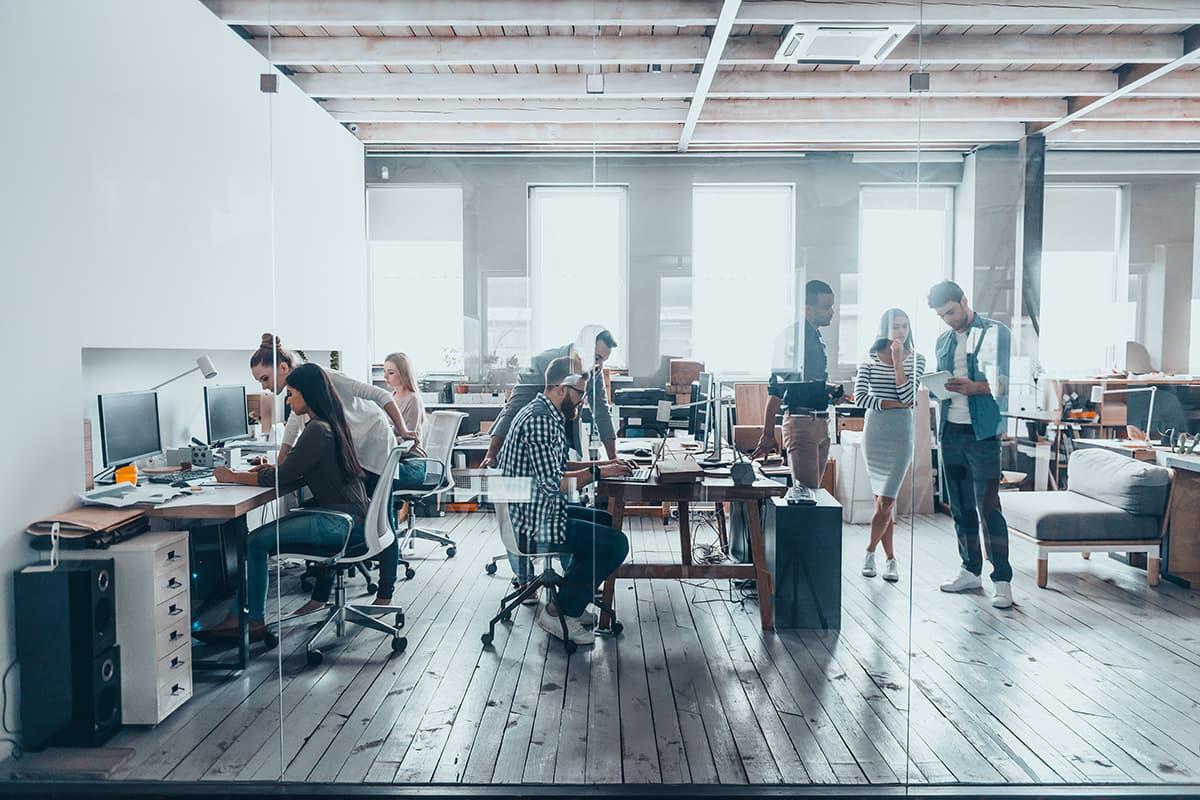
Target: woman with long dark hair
(372,416)
(324,460)
(886,385)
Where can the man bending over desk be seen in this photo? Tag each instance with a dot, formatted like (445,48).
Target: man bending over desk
(536,448)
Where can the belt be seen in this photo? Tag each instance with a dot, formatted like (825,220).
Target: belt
(808,412)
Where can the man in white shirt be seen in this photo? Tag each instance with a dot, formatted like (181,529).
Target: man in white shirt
(975,350)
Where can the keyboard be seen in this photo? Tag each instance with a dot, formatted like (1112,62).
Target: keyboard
(182,475)
(639,475)
(801,496)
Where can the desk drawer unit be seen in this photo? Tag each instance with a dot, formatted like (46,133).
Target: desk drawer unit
(153,624)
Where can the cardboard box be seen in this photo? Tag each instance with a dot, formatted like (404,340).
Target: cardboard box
(683,371)
(745,437)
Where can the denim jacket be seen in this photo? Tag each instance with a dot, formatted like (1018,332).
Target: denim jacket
(993,342)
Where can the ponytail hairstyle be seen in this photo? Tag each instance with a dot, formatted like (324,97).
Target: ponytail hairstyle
(270,352)
(323,403)
(404,367)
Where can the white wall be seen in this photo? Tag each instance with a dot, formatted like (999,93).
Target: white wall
(137,162)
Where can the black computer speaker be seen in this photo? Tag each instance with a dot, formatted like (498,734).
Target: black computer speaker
(66,635)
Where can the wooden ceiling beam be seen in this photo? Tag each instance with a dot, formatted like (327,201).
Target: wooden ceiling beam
(459,50)
(701,12)
(682,85)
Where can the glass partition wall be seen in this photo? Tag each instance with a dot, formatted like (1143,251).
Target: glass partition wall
(792,405)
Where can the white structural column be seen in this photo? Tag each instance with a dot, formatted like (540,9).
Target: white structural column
(715,48)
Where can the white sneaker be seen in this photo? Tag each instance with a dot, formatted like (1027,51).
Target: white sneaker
(575,630)
(963,582)
(890,571)
(1003,596)
(868,569)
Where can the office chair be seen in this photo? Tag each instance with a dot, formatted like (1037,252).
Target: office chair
(438,442)
(547,579)
(377,535)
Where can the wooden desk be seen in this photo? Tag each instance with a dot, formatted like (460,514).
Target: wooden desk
(710,490)
(228,505)
(1181,561)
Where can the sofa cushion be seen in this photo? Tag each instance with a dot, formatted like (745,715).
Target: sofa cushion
(1128,484)
(1072,517)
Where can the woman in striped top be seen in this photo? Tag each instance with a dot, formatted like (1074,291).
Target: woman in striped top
(886,386)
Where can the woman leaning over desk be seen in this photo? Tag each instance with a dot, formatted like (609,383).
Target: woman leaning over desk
(367,410)
(324,460)
(886,385)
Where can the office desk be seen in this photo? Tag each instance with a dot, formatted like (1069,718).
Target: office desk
(710,490)
(228,505)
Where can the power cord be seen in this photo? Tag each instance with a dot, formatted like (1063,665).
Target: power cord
(17,752)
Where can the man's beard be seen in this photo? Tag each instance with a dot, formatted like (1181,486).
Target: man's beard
(569,409)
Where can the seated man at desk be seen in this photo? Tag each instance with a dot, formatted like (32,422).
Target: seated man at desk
(536,448)
(324,460)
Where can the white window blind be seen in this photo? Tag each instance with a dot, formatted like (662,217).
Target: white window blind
(743,274)
(416,251)
(578,263)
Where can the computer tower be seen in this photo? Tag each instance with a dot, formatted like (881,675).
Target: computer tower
(66,645)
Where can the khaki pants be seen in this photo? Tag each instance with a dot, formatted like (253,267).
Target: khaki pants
(806,441)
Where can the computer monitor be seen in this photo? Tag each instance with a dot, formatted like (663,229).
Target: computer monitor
(225,415)
(702,419)
(128,427)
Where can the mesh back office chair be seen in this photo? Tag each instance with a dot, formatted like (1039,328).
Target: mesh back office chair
(377,535)
(438,441)
(547,579)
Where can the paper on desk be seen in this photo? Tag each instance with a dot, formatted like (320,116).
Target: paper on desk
(935,382)
(122,495)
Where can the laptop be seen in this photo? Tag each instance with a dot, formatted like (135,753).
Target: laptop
(642,474)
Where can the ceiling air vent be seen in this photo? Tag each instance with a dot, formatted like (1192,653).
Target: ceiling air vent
(839,44)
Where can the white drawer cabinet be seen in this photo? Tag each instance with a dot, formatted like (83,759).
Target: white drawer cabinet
(153,623)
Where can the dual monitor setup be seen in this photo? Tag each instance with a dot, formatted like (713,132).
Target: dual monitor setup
(129,422)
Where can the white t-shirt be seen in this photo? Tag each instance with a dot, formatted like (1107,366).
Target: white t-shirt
(370,428)
(960,412)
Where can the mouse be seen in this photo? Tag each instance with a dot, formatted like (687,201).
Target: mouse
(643,452)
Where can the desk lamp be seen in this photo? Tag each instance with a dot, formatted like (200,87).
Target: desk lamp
(1098,393)
(204,365)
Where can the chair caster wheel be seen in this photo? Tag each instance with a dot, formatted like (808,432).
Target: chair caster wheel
(409,573)
(506,616)
(399,619)
(617,628)
(372,588)
(313,657)
(450,551)
(570,647)
(270,640)
(399,643)
(490,568)
(486,639)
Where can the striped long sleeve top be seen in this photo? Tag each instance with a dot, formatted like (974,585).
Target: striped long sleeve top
(876,381)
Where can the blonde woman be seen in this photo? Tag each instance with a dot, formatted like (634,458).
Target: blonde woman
(400,376)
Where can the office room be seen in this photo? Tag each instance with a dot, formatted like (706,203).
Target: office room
(548,398)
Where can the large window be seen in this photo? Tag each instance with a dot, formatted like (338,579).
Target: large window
(743,268)
(1085,320)
(675,315)
(416,251)
(508,320)
(578,262)
(905,245)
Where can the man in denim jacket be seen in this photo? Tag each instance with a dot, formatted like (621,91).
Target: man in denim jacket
(976,351)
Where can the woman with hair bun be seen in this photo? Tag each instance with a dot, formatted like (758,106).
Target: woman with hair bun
(367,410)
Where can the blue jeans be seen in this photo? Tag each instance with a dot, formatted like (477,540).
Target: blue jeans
(307,534)
(594,549)
(523,567)
(973,485)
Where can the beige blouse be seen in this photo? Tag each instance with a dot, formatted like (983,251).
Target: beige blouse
(412,411)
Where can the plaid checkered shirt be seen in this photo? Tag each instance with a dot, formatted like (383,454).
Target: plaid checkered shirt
(536,448)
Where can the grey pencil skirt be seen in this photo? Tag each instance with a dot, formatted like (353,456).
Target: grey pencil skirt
(888,445)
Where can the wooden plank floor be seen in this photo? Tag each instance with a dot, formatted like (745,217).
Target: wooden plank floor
(1096,679)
